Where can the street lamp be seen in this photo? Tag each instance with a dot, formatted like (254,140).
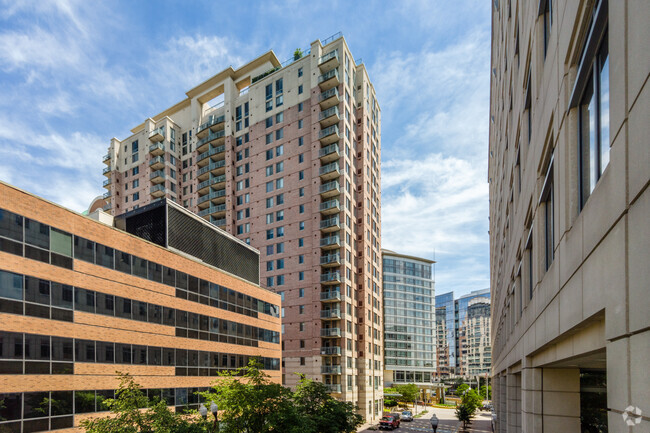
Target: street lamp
(215,411)
(203,411)
(434,423)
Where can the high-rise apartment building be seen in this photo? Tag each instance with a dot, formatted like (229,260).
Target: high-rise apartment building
(463,335)
(409,319)
(285,156)
(569,169)
(81,299)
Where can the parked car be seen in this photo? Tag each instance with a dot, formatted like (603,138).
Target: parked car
(389,422)
(406,416)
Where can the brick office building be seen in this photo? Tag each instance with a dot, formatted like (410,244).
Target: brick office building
(81,299)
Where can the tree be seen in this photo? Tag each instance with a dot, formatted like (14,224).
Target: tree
(472,399)
(464,414)
(133,412)
(250,403)
(409,392)
(297,54)
(489,392)
(460,389)
(321,412)
(390,403)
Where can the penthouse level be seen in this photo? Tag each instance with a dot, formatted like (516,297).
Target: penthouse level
(80,298)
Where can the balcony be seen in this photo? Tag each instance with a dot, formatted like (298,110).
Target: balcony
(330,224)
(329,98)
(157,149)
(218,222)
(157,134)
(210,182)
(332,314)
(213,209)
(326,350)
(330,260)
(201,159)
(107,171)
(330,242)
(329,135)
(215,123)
(329,171)
(214,195)
(331,278)
(107,195)
(107,159)
(329,153)
(329,79)
(330,332)
(330,189)
(158,191)
(157,162)
(330,369)
(330,207)
(107,182)
(157,176)
(329,60)
(329,117)
(333,387)
(332,295)
(218,138)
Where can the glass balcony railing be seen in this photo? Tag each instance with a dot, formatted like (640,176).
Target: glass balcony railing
(330,350)
(157,188)
(330,240)
(336,387)
(334,91)
(330,258)
(157,148)
(334,73)
(330,332)
(331,369)
(211,136)
(330,186)
(213,195)
(157,134)
(330,314)
(332,149)
(329,56)
(334,166)
(329,112)
(156,160)
(330,295)
(216,179)
(219,222)
(213,151)
(334,129)
(107,182)
(212,120)
(106,195)
(330,222)
(330,204)
(330,277)
(157,173)
(107,169)
(213,209)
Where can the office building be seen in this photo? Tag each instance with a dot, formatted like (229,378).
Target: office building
(285,156)
(463,335)
(81,299)
(409,318)
(569,169)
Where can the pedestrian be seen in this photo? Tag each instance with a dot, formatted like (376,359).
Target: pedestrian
(434,423)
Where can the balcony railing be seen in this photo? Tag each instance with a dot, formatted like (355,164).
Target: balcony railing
(331,369)
(334,91)
(211,136)
(331,167)
(216,179)
(329,112)
(106,157)
(330,240)
(330,222)
(334,129)
(330,295)
(157,190)
(330,350)
(107,169)
(214,151)
(332,148)
(213,209)
(212,120)
(157,148)
(157,134)
(157,162)
(329,56)
(107,182)
(212,195)
(336,387)
(330,258)
(330,332)
(334,73)
(107,207)
(330,277)
(219,222)
(106,195)
(330,314)
(157,174)
(330,204)
(330,186)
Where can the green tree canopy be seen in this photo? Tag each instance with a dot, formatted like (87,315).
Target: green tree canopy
(409,392)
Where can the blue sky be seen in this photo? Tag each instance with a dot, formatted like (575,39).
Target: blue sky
(73,74)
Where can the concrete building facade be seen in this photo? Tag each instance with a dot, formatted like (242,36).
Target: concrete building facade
(463,335)
(569,168)
(409,318)
(285,156)
(80,299)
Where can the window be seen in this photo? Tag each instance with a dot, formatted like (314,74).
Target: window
(302,360)
(301,192)
(269,265)
(279,134)
(279,167)
(301,141)
(279,183)
(269,91)
(279,247)
(269,186)
(269,218)
(278,86)
(134,146)
(279,280)
(592,91)
(527,108)
(299,72)
(301,208)
(280,263)
(279,231)
(279,151)
(301,242)
(549,221)
(301,259)
(529,262)
(547,11)
(269,170)
(301,175)
(301,276)
(136,196)
(269,154)
(269,105)
(269,202)
(269,138)
(300,123)
(280,198)
(301,158)
(269,122)
(300,106)
(279,215)
(301,225)
(300,89)
(279,118)
(301,309)
(269,234)
(269,250)
(135,170)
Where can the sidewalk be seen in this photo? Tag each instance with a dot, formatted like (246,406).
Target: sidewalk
(482,423)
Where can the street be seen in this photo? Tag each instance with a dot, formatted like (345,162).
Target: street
(447,423)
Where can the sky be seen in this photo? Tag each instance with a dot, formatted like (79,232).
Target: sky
(74,74)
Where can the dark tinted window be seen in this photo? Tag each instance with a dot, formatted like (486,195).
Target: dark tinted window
(61,402)
(37,290)
(84,300)
(123,262)
(140,311)
(37,347)
(85,351)
(61,295)
(155,313)
(139,267)
(11,345)
(11,285)
(36,404)
(62,349)
(155,272)
(84,249)
(105,304)
(105,352)
(11,225)
(37,234)
(181,280)
(122,307)
(169,318)
(84,401)
(123,354)
(169,276)
(104,256)
(11,406)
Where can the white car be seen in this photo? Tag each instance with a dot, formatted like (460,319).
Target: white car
(406,416)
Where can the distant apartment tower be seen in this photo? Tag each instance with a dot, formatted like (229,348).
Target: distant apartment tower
(288,160)
(409,318)
(463,335)
(81,299)
(569,169)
